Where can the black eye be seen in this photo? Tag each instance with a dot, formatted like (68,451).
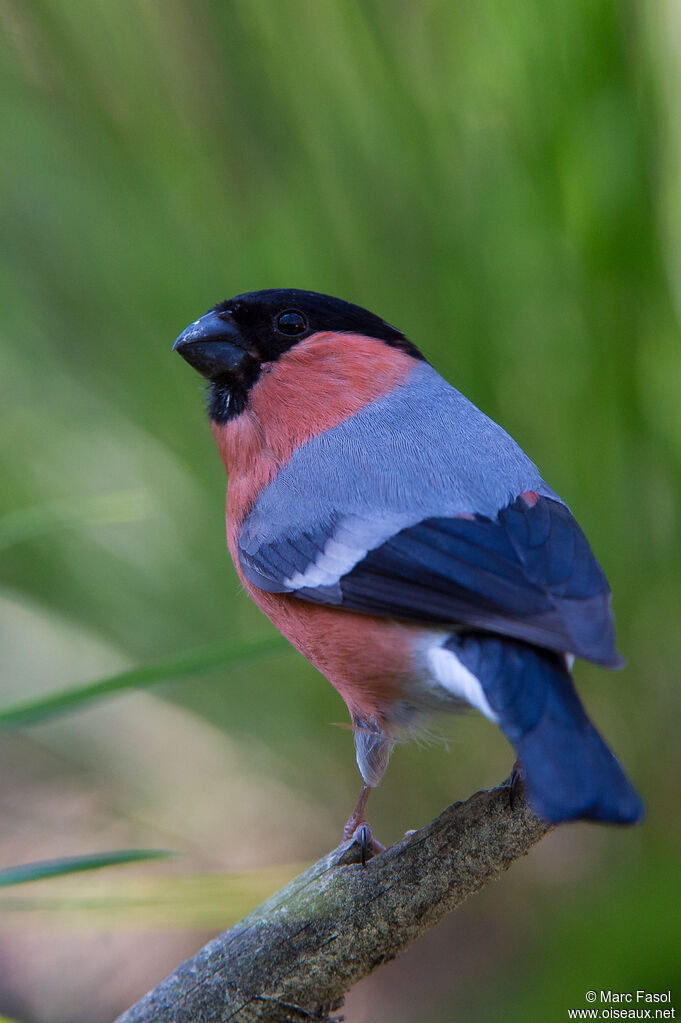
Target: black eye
(291,322)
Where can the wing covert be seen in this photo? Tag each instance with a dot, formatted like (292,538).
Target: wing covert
(529,573)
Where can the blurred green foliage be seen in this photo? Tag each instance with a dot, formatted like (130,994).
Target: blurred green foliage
(43,869)
(53,704)
(501,181)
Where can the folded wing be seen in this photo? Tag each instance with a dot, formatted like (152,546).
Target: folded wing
(528,573)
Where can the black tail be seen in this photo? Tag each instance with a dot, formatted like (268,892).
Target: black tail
(570,772)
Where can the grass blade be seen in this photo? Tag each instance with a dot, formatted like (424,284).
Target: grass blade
(52,704)
(42,869)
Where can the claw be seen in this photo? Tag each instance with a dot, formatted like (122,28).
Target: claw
(516,785)
(369,845)
(363,833)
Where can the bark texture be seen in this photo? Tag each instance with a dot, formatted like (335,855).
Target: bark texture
(293,958)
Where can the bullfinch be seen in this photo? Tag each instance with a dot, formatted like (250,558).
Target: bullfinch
(404,543)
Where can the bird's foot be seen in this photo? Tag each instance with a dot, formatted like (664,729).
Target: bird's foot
(515,784)
(358,828)
(369,846)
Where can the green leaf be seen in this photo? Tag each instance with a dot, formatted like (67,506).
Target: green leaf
(52,704)
(42,869)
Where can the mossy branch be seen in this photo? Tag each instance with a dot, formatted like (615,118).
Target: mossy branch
(294,957)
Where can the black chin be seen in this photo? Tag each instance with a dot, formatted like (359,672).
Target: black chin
(226,399)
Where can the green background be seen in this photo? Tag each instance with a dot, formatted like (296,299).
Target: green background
(499,180)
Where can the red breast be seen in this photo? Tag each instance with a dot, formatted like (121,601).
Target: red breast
(313,387)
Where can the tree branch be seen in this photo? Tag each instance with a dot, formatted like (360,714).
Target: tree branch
(294,957)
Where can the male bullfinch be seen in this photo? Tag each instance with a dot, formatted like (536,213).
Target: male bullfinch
(404,543)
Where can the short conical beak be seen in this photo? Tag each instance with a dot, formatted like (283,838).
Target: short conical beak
(212,345)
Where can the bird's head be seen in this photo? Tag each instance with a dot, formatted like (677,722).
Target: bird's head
(232,342)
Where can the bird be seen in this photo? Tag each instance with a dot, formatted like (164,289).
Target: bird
(405,544)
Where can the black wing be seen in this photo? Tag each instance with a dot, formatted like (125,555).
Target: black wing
(530,573)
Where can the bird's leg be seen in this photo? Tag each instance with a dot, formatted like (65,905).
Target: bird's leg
(357,816)
(373,746)
(358,828)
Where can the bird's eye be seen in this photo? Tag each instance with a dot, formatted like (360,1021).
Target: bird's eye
(291,322)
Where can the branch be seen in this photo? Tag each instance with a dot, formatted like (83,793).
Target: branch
(294,957)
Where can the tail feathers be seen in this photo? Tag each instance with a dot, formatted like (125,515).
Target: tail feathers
(570,772)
